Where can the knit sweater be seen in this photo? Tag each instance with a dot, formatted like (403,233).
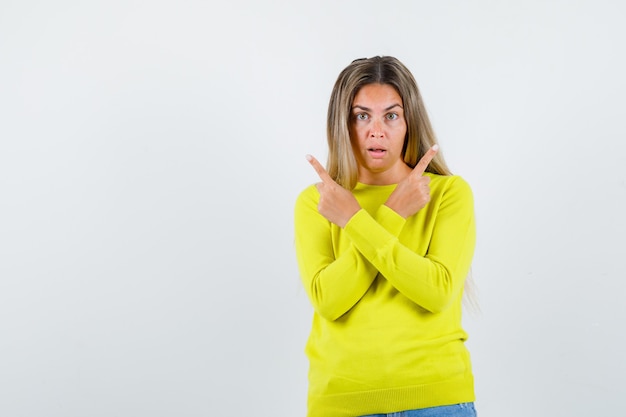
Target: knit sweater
(386,294)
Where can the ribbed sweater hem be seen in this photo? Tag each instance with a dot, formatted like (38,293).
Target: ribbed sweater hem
(392,399)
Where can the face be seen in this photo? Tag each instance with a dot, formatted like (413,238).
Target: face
(377,132)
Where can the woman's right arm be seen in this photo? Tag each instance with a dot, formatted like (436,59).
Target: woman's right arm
(333,284)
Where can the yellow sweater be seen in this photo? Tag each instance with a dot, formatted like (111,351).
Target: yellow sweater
(386,291)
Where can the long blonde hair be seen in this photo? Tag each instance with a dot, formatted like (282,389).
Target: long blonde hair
(420,136)
(342,165)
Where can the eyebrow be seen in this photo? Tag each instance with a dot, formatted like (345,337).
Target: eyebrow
(368,109)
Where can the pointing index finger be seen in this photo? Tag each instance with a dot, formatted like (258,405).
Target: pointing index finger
(321,172)
(421,166)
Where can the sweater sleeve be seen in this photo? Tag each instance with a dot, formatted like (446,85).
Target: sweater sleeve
(436,278)
(334,283)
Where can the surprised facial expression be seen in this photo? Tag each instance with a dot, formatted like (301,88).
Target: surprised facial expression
(377,132)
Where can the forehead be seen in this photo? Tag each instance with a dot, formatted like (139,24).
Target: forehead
(377,93)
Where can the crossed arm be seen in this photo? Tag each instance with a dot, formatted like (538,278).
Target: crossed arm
(431,280)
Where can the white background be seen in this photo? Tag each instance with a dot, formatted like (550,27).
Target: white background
(151,153)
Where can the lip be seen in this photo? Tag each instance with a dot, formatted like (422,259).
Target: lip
(376,152)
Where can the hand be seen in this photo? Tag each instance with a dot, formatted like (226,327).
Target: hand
(413,192)
(337,204)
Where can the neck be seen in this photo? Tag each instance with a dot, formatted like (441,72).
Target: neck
(388,177)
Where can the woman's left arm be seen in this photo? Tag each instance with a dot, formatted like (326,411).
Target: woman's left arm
(436,278)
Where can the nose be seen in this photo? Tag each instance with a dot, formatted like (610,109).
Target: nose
(377,129)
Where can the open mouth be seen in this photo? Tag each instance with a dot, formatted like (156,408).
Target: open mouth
(376,151)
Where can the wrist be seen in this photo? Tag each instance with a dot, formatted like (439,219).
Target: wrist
(347,219)
(398,212)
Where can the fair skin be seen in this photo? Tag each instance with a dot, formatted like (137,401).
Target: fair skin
(377,132)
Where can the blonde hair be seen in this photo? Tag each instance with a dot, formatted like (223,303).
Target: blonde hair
(420,136)
(341,164)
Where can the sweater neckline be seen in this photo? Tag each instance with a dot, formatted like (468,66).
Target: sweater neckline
(362,186)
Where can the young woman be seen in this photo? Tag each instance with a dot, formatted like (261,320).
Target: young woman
(384,243)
